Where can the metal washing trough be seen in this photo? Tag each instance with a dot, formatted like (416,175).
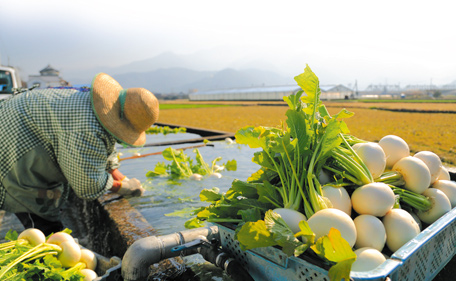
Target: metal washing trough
(111,225)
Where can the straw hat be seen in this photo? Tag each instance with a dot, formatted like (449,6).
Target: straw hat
(125,113)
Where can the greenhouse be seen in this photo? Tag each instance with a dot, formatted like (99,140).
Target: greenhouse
(270,93)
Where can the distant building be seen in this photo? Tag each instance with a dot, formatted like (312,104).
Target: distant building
(49,77)
(269,93)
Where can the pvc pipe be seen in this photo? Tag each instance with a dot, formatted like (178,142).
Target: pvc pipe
(150,250)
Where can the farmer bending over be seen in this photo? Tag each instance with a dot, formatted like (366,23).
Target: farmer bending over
(56,139)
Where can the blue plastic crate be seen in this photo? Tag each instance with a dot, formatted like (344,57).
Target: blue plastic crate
(422,258)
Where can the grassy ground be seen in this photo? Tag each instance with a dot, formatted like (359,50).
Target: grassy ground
(423,131)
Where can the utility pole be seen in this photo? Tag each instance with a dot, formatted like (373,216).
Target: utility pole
(355,88)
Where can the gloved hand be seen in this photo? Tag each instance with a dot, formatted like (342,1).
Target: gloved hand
(131,187)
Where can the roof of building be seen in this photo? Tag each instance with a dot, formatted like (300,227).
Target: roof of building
(49,70)
(270,89)
(266,89)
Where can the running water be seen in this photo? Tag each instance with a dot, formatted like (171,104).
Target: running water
(167,205)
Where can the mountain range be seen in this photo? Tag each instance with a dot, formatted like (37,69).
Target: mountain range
(171,73)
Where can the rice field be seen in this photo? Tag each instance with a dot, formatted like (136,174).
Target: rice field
(422,131)
(421,106)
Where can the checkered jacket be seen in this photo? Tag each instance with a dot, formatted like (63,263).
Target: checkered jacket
(63,123)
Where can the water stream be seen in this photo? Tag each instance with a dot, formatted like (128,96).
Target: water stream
(163,198)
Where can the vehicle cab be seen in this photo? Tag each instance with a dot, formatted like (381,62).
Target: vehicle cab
(9,80)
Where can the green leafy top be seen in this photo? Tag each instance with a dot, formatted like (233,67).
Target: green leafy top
(182,166)
(20,261)
(291,158)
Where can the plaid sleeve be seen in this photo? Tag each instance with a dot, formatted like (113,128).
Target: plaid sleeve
(83,159)
(113,161)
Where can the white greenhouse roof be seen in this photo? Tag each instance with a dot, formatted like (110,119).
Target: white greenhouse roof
(271,89)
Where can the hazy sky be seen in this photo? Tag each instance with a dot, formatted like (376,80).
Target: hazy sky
(406,42)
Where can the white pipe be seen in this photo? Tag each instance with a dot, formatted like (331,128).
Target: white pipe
(150,250)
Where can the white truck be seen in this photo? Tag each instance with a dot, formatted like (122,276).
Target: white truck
(9,81)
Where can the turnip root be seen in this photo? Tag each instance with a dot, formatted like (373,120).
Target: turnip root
(432,161)
(324,177)
(367,259)
(395,149)
(33,235)
(400,228)
(440,205)
(60,237)
(89,258)
(291,218)
(417,220)
(71,253)
(374,199)
(370,232)
(339,198)
(196,177)
(322,221)
(373,156)
(449,188)
(444,174)
(414,172)
(216,175)
(89,274)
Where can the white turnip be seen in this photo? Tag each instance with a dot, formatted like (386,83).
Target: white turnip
(322,221)
(374,199)
(89,258)
(444,174)
(216,175)
(33,235)
(373,156)
(89,274)
(449,188)
(196,177)
(71,253)
(324,177)
(440,206)
(400,228)
(60,237)
(370,232)
(417,220)
(367,259)
(415,173)
(339,198)
(395,148)
(291,218)
(432,161)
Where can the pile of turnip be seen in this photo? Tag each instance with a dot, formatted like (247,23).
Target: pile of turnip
(320,188)
(376,219)
(32,245)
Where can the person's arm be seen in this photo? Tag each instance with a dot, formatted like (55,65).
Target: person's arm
(125,186)
(118,177)
(82,158)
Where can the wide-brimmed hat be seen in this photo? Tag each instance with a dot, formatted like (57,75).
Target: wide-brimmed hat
(125,113)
